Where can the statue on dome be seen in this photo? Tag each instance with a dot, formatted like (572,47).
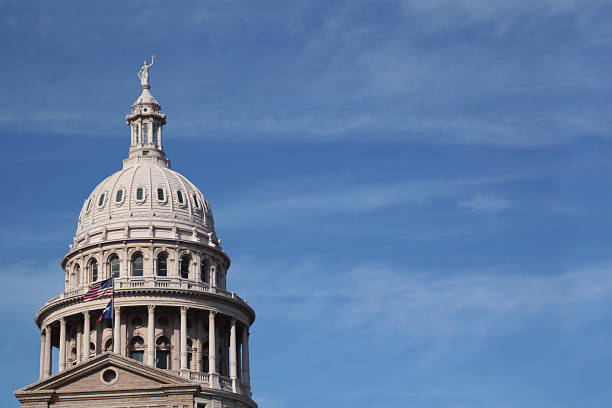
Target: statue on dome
(143,74)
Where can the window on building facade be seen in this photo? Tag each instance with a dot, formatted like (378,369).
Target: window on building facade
(137,348)
(139,193)
(185,261)
(101,200)
(160,194)
(93,270)
(179,196)
(137,265)
(204,271)
(162,265)
(162,353)
(119,196)
(114,266)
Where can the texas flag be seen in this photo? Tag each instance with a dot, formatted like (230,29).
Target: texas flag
(107,313)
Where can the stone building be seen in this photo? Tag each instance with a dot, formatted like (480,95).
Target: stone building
(178,338)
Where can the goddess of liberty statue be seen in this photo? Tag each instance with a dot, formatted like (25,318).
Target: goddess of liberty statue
(143,74)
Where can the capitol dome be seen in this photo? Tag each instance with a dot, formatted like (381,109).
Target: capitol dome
(146,199)
(171,333)
(144,196)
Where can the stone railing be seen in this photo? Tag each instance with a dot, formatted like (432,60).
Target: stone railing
(223,383)
(152,282)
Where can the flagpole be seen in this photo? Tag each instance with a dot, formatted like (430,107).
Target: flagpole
(113,311)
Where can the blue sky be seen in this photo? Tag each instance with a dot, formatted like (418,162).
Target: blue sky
(415,194)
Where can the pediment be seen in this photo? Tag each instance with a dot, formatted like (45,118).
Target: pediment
(107,372)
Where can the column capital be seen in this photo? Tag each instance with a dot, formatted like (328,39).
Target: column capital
(117,309)
(151,308)
(184,309)
(233,321)
(212,314)
(62,320)
(86,314)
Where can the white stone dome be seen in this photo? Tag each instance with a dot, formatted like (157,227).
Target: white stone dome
(146,193)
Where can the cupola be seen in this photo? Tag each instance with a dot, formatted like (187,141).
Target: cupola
(146,121)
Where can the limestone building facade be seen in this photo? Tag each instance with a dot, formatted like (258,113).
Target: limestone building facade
(178,337)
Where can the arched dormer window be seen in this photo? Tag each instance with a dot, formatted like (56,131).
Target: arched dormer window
(137,347)
(162,353)
(93,271)
(184,267)
(114,266)
(137,265)
(162,265)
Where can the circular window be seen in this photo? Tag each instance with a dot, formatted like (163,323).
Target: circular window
(137,322)
(163,321)
(145,109)
(109,376)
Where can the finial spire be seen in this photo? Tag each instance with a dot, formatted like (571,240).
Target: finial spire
(143,74)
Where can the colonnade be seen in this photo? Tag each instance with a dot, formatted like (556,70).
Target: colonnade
(234,357)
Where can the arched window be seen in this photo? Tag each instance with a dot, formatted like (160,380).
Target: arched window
(162,352)
(137,265)
(162,265)
(108,346)
(114,266)
(137,348)
(160,194)
(139,194)
(93,271)
(185,261)
(76,275)
(204,268)
(196,202)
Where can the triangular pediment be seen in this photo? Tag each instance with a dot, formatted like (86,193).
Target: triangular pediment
(107,372)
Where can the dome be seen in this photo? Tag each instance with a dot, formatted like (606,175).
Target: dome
(146,199)
(147,196)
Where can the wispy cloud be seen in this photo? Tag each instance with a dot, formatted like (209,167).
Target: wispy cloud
(421,304)
(276,201)
(485,203)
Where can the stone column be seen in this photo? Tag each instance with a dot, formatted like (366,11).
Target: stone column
(48,355)
(62,345)
(212,354)
(117,331)
(184,338)
(245,356)
(42,355)
(233,363)
(151,336)
(86,331)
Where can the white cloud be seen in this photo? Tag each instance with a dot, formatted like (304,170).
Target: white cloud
(420,305)
(485,203)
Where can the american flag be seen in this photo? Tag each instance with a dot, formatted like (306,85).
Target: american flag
(99,290)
